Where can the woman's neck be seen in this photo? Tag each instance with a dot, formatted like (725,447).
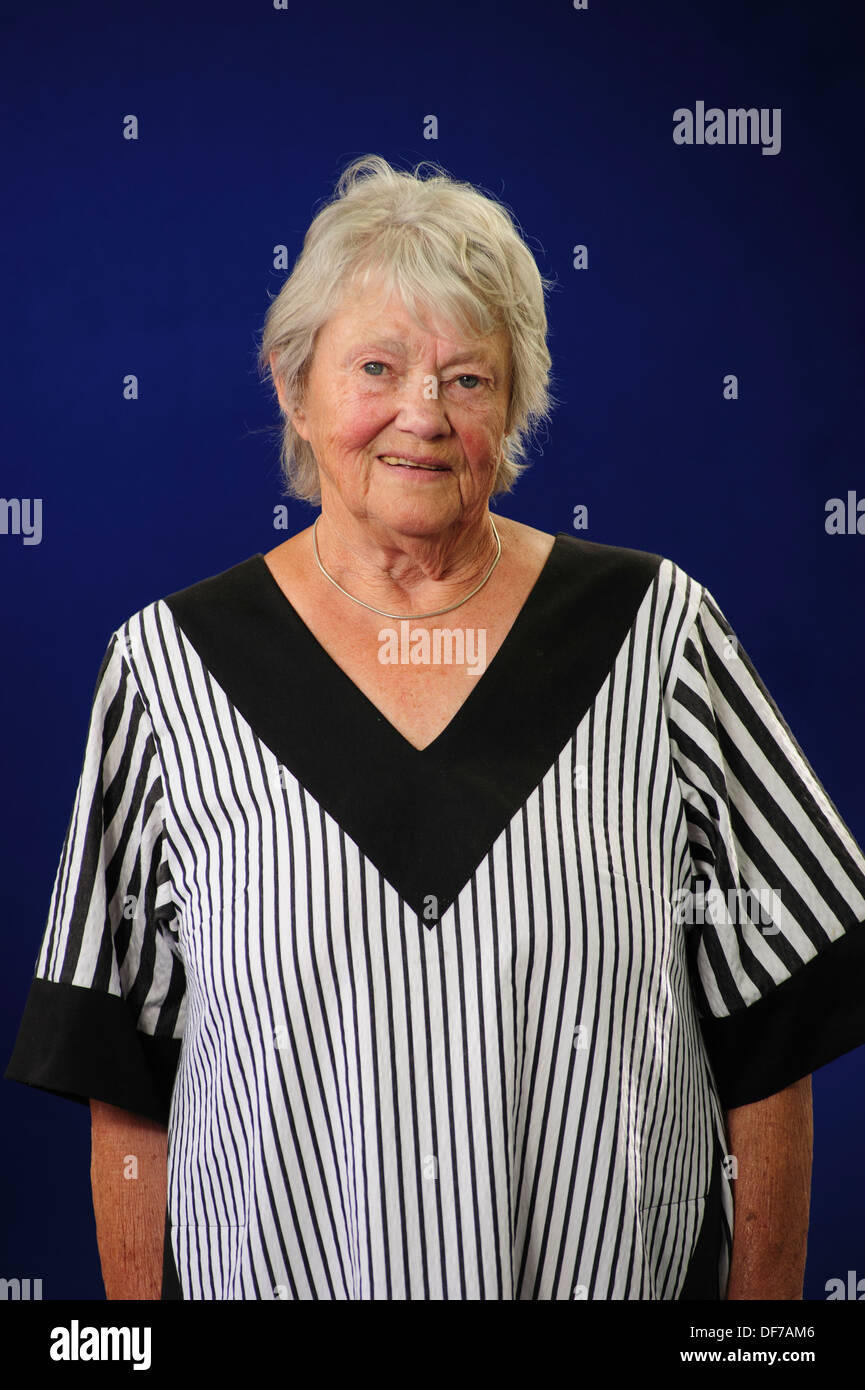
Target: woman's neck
(406,573)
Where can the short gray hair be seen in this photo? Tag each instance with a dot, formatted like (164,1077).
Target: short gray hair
(437,242)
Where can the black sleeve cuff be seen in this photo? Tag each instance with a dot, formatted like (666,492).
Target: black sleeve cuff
(81,1044)
(809,1020)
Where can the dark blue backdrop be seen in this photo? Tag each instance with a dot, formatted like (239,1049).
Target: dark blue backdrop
(155,257)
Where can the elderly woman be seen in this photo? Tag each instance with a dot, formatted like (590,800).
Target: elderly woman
(442,897)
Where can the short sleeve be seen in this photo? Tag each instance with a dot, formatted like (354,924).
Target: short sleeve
(774,916)
(105,1013)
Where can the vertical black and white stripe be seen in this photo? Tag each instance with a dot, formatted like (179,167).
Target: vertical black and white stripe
(525,1102)
(110,927)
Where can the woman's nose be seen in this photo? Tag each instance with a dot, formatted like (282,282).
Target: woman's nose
(421,405)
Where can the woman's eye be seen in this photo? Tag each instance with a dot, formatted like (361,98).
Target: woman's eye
(469,377)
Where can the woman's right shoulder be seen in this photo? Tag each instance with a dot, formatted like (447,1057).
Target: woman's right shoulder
(199,606)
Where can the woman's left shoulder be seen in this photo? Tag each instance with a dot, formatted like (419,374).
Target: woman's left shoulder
(530,545)
(599,570)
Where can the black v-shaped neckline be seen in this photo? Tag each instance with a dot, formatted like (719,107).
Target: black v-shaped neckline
(322,655)
(424,817)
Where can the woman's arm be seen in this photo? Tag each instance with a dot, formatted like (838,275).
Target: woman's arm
(128,1172)
(771,1141)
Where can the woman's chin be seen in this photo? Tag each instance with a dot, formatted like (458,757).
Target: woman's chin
(416,508)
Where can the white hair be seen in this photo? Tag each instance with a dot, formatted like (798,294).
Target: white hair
(447,249)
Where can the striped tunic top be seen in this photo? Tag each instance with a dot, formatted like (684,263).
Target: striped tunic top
(459,1022)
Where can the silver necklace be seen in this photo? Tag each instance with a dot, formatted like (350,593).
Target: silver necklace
(406,616)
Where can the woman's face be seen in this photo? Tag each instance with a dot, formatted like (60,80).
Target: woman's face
(380,388)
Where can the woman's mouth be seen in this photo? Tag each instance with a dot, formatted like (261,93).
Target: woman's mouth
(413,465)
